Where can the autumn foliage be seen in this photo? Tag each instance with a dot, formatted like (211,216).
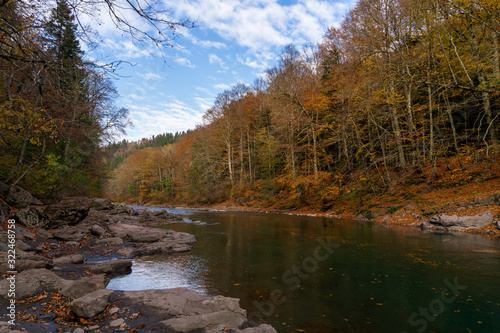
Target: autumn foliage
(402,90)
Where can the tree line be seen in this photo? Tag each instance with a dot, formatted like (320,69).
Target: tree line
(398,89)
(57,106)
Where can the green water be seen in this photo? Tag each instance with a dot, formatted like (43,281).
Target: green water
(325,275)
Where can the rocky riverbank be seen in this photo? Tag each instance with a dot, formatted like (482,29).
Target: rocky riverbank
(67,252)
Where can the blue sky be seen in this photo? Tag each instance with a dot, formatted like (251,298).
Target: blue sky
(233,42)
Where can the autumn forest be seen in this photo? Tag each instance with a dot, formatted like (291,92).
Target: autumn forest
(401,91)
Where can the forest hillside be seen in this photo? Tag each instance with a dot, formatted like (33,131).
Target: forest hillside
(402,99)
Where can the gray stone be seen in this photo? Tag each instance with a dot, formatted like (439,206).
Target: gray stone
(463,222)
(20,245)
(113,310)
(137,233)
(97,230)
(196,322)
(32,218)
(92,304)
(69,234)
(68,211)
(264,328)
(73,244)
(79,330)
(24,261)
(497,223)
(112,268)
(70,259)
(113,240)
(84,286)
(33,282)
(20,198)
(102,204)
(44,234)
(116,322)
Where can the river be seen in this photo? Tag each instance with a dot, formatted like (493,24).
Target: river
(325,275)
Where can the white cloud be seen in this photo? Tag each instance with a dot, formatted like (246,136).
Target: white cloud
(184,62)
(261,24)
(150,76)
(214,59)
(222,86)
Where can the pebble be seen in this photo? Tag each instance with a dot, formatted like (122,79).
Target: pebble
(116,322)
(91,328)
(113,310)
(79,330)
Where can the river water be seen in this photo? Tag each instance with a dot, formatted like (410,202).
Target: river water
(325,275)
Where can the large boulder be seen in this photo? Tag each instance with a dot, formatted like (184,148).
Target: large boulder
(68,211)
(92,304)
(455,222)
(32,218)
(20,198)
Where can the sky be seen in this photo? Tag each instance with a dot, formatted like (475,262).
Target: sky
(232,42)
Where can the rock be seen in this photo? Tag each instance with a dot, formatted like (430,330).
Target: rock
(113,310)
(264,328)
(113,240)
(68,211)
(23,234)
(497,223)
(463,222)
(102,204)
(4,211)
(20,198)
(137,233)
(20,245)
(125,252)
(84,286)
(184,310)
(33,282)
(32,218)
(24,261)
(72,244)
(196,322)
(90,305)
(79,330)
(116,322)
(69,234)
(44,234)
(97,230)
(112,268)
(71,259)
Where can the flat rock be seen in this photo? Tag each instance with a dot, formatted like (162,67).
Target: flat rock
(97,230)
(112,268)
(69,234)
(68,211)
(109,241)
(70,259)
(24,261)
(137,233)
(90,305)
(196,322)
(455,222)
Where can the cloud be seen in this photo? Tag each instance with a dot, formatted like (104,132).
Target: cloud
(214,59)
(150,76)
(172,116)
(184,62)
(222,86)
(263,24)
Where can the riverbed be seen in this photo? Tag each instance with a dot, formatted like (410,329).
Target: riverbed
(311,274)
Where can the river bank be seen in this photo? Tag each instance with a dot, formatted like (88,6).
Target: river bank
(468,208)
(57,259)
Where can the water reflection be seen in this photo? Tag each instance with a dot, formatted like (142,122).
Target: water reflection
(163,272)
